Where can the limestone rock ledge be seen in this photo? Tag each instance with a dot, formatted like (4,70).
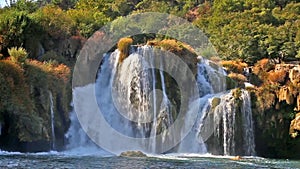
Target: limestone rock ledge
(295,126)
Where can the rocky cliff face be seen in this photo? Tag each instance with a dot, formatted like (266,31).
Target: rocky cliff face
(294,75)
(62,50)
(275,103)
(26,105)
(290,91)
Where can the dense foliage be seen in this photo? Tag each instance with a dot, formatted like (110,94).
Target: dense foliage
(246,30)
(251,30)
(25,102)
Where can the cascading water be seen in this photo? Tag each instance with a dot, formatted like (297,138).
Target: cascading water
(78,141)
(147,109)
(52,121)
(227,124)
(154,128)
(248,126)
(207,78)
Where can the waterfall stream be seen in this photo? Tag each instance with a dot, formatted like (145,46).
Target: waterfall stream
(52,121)
(223,126)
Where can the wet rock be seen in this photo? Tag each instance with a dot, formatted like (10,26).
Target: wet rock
(283,67)
(133,154)
(284,94)
(295,126)
(70,47)
(298,103)
(294,75)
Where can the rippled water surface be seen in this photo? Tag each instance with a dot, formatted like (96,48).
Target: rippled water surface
(60,160)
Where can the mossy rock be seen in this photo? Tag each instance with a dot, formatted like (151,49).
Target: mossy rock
(185,52)
(237,93)
(215,102)
(230,83)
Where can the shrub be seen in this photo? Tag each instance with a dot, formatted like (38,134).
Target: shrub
(266,98)
(234,66)
(237,77)
(264,65)
(170,45)
(52,55)
(277,77)
(87,21)
(17,55)
(124,47)
(237,93)
(54,21)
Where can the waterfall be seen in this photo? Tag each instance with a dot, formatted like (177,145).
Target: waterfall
(52,121)
(154,128)
(165,105)
(210,81)
(232,130)
(135,100)
(78,141)
(248,125)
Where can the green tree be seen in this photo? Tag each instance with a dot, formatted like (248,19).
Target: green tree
(14,28)
(54,21)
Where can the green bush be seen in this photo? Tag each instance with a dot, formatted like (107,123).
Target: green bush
(14,29)
(17,55)
(54,21)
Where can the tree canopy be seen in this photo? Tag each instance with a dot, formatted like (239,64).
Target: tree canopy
(246,30)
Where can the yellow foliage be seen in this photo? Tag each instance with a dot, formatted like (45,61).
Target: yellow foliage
(17,55)
(13,88)
(170,45)
(124,47)
(234,66)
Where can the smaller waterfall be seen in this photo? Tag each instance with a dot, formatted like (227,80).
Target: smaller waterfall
(232,130)
(193,142)
(208,81)
(248,125)
(210,77)
(52,121)
(154,128)
(165,105)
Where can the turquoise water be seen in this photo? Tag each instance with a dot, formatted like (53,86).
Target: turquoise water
(65,161)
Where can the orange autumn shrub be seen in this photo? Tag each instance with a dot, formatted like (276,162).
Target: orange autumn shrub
(237,77)
(263,65)
(277,77)
(234,66)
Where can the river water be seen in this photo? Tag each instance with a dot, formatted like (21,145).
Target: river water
(59,160)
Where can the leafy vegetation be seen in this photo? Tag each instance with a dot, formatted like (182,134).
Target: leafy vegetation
(17,55)
(253,30)
(240,30)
